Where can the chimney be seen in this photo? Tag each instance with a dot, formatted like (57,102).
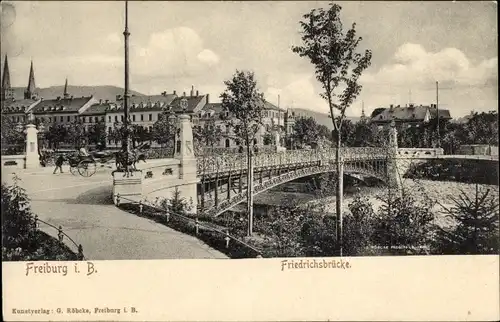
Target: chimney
(58,98)
(183,94)
(192,90)
(100,101)
(107,101)
(71,97)
(391,106)
(208,98)
(175,92)
(197,93)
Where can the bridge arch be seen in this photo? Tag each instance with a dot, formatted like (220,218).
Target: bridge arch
(364,168)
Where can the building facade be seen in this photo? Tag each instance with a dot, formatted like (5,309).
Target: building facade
(408,116)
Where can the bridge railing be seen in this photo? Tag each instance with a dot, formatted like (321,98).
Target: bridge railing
(226,162)
(199,226)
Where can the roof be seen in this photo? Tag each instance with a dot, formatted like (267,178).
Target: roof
(17,106)
(194,104)
(97,109)
(409,113)
(61,105)
(270,106)
(144,103)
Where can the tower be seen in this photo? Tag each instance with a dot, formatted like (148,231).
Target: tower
(7,92)
(31,89)
(66,94)
(363,116)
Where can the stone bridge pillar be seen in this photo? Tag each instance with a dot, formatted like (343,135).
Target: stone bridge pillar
(184,151)
(393,174)
(32,157)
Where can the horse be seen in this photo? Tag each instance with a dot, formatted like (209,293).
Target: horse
(134,157)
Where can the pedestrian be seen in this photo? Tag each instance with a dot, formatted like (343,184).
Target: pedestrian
(59,162)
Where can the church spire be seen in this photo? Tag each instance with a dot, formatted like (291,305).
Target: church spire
(66,94)
(363,109)
(6,93)
(30,90)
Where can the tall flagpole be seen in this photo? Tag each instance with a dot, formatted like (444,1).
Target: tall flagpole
(126,95)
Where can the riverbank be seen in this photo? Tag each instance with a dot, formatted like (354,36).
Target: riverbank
(441,193)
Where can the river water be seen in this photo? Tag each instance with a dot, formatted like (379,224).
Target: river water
(441,193)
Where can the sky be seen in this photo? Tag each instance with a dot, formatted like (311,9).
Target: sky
(176,45)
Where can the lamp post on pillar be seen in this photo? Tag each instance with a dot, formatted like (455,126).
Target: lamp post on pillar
(126,138)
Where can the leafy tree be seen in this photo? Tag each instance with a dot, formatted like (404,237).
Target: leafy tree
(481,128)
(139,134)
(477,229)
(306,131)
(244,103)
(208,134)
(164,129)
(338,67)
(10,132)
(282,229)
(363,134)
(358,226)
(318,236)
(56,134)
(267,139)
(75,133)
(97,134)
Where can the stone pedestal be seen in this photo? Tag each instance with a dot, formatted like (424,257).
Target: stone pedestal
(32,156)
(129,189)
(184,151)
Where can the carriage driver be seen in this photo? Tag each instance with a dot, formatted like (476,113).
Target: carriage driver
(83,152)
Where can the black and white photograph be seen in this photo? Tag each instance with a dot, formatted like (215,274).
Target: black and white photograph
(304,131)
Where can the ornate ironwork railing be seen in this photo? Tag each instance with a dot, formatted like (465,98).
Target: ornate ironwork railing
(230,162)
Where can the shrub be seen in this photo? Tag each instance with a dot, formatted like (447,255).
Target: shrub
(358,227)
(21,240)
(403,224)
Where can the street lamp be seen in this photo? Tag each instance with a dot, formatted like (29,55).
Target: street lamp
(125,142)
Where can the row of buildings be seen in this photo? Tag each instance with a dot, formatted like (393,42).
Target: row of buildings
(145,110)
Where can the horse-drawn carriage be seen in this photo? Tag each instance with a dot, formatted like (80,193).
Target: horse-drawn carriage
(86,166)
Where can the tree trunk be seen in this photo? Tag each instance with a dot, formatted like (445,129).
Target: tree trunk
(339,194)
(249,190)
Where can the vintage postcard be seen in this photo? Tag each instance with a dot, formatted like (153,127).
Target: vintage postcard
(249,161)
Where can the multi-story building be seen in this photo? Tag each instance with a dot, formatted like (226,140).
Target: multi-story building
(408,116)
(144,111)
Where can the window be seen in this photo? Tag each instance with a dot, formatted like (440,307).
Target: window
(142,117)
(150,117)
(102,118)
(116,118)
(50,119)
(228,143)
(133,118)
(122,118)
(109,119)
(110,129)
(96,119)
(68,118)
